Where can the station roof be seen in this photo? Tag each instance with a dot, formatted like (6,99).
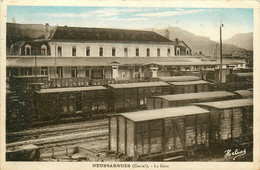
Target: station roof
(179,78)
(143,84)
(71,89)
(106,35)
(228,103)
(188,82)
(244,93)
(163,113)
(47,61)
(188,96)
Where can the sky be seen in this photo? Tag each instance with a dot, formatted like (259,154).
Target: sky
(199,21)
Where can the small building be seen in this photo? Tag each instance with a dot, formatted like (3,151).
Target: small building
(130,96)
(176,100)
(158,132)
(189,87)
(230,120)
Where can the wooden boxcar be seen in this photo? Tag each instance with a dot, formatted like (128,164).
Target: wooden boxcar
(62,102)
(230,121)
(244,94)
(239,77)
(179,78)
(158,133)
(132,96)
(158,102)
(189,87)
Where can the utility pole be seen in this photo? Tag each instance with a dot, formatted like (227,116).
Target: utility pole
(220,68)
(35,60)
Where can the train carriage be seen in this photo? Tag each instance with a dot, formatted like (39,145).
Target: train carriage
(231,121)
(132,96)
(189,87)
(158,133)
(63,102)
(243,94)
(176,100)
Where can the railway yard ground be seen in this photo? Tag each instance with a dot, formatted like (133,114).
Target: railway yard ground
(62,143)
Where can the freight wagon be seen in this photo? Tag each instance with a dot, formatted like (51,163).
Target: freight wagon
(158,102)
(243,94)
(133,96)
(158,134)
(189,87)
(230,121)
(64,102)
(239,77)
(178,78)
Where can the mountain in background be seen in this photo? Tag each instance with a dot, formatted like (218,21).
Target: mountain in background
(199,43)
(243,40)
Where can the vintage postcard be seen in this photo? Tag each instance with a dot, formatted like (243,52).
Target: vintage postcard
(129,85)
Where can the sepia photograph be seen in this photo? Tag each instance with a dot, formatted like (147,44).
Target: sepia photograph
(128,84)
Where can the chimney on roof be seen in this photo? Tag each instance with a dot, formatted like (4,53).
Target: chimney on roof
(177,40)
(47,31)
(167,34)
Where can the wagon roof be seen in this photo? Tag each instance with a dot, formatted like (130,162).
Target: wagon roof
(228,103)
(244,93)
(179,78)
(71,89)
(133,85)
(163,113)
(189,82)
(188,96)
(244,74)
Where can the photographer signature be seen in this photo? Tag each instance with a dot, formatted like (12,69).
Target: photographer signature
(236,153)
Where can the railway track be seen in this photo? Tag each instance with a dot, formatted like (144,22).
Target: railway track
(60,136)
(49,131)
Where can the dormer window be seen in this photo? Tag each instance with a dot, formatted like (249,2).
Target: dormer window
(113,51)
(27,49)
(59,51)
(43,50)
(158,52)
(148,52)
(101,51)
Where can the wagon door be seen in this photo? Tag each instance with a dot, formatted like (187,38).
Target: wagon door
(174,134)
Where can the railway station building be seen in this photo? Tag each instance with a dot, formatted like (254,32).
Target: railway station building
(73,54)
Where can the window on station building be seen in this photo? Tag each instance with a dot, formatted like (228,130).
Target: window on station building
(44,71)
(74,51)
(148,52)
(158,52)
(137,52)
(101,51)
(43,50)
(125,52)
(88,51)
(178,51)
(59,71)
(25,71)
(27,50)
(87,72)
(113,51)
(74,71)
(59,51)
(168,52)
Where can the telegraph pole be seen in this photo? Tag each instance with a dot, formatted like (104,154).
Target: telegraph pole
(220,68)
